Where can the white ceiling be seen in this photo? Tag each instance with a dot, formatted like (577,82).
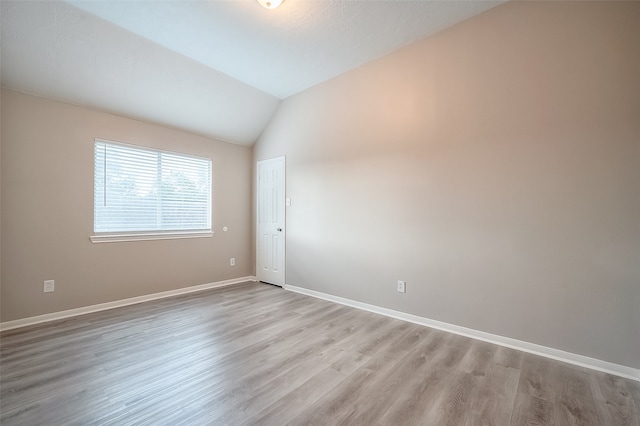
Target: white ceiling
(218,68)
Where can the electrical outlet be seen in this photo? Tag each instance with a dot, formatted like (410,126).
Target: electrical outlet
(402,286)
(232,261)
(49,286)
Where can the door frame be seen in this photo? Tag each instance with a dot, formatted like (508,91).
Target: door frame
(282,159)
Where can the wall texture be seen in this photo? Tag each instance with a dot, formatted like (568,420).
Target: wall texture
(47,212)
(495,167)
(0,203)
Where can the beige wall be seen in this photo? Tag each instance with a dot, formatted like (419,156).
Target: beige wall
(0,205)
(47,212)
(495,167)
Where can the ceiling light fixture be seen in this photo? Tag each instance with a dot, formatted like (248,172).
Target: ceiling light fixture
(270,4)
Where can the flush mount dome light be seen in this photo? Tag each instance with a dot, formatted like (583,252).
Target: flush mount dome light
(270,4)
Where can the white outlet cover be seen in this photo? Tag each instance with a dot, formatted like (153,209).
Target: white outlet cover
(49,286)
(402,286)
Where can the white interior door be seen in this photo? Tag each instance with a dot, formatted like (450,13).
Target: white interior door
(270,238)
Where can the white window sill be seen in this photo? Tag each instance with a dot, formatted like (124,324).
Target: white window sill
(118,238)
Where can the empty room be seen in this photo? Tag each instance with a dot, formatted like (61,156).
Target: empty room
(320,212)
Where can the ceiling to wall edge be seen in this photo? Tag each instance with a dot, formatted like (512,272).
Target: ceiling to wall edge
(141,119)
(267,118)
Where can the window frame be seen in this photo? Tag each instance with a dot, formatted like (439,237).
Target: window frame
(124,236)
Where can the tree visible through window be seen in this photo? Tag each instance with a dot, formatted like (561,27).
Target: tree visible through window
(139,190)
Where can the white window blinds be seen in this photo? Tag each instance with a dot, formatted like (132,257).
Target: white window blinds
(143,190)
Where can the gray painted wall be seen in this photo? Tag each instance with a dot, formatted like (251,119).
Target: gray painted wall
(495,167)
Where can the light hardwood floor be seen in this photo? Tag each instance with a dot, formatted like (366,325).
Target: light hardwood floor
(256,354)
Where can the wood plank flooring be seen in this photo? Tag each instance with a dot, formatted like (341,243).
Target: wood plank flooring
(254,354)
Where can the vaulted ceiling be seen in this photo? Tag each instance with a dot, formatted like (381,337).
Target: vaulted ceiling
(218,68)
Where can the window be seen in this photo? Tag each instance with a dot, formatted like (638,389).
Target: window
(142,193)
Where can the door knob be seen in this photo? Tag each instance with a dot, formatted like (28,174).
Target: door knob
(279,229)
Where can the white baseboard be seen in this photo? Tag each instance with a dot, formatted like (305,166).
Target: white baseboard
(559,355)
(23,322)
